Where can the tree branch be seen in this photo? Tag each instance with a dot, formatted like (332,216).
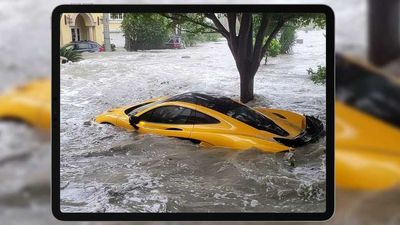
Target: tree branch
(218,24)
(244,37)
(275,31)
(232,24)
(203,32)
(244,25)
(180,17)
(260,36)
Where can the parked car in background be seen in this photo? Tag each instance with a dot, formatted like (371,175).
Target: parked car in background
(86,46)
(175,42)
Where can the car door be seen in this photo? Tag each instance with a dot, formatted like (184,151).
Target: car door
(169,120)
(207,129)
(93,48)
(82,47)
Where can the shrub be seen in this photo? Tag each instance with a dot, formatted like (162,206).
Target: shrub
(273,50)
(287,39)
(145,31)
(190,39)
(318,76)
(70,54)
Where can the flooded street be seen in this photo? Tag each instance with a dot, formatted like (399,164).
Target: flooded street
(107,169)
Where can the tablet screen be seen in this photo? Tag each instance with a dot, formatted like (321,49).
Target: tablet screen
(192,112)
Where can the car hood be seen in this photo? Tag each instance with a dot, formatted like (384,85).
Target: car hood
(37,91)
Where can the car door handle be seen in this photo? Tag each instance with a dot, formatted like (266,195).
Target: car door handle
(173,128)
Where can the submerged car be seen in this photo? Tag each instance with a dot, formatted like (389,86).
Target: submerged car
(213,120)
(29,103)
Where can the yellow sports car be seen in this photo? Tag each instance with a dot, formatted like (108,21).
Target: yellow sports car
(29,103)
(213,120)
(367,151)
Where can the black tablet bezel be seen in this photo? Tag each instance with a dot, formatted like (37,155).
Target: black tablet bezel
(251,216)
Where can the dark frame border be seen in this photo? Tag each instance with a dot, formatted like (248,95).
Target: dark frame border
(251,216)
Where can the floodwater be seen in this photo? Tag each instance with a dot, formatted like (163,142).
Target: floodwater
(108,169)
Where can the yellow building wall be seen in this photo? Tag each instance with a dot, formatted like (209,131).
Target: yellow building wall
(90,25)
(115,25)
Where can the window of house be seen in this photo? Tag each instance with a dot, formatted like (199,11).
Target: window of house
(75,34)
(116,16)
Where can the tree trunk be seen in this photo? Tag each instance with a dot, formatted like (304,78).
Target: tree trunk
(246,87)
(266,60)
(384,31)
(247,55)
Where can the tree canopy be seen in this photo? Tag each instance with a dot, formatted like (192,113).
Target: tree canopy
(145,30)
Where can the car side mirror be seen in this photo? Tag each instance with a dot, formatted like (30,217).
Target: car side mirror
(133,120)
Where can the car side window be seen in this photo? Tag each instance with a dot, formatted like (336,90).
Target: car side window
(167,114)
(82,46)
(197,117)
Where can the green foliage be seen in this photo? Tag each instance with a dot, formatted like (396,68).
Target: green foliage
(316,20)
(145,31)
(274,48)
(190,22)
(190,39)
(287,39)
(70,54)
(318,76)
(191,30)
(295,20)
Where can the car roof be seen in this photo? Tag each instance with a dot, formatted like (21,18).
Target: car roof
(83,41)
(212,101)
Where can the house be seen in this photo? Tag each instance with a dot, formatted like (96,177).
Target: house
(89,26)
(116,35)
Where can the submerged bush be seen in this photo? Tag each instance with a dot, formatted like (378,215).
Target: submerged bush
(70,54)
(318,76)
(273,50)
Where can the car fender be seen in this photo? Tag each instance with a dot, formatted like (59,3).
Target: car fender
(294,118)
(238,141)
